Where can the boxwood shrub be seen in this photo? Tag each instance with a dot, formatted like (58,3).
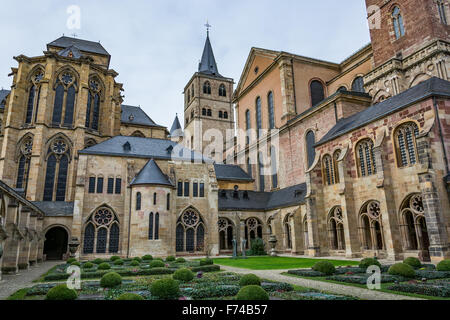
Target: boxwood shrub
(212,268)
(118,262)
(250,279)
(413,262)
(402,269)
(137,259)
(157,264)
(208,291)
(134,263)
(307,273)
(147,257)
(130,297)
(180,260)
(367,262)
(255,293)
(325,267)
(111,280)
(76,263)
(104,266)
(444,265)
(165,289)
(70,260)
(170,259)
(184,274)
(98,261)
(61,292)
(88,265)
(114,258)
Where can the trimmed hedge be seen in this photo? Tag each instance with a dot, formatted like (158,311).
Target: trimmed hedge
(165,289)
(104,266)
(118,262)
(211,291)
(431,275)
(134,263)
(157,264)
(180,260)
(170,259)
(76,263)
(307,273)
(98,261)
(413,262)
(111,280)
(61,292)
(444,265)
(367,262)
(429,290)
(212,268)
(114,258)
(137,259)
(88,265)
(255,293)
(184,275)
(362,278)
(130,297)
(206,262)
(250,279)
(325,267)
(402,269)
(99,274)
(147,257)
(70,260)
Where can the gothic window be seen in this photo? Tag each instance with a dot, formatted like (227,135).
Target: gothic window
(226,234)
(365,158)
(371,226)
(258,116)
(310,150)
(207,87)
(190,232)
(220,114)
(413,224)
(93,105)
(168,202)
(195,189)
(271,111)
(138,201)
(92,184)
(336,229)
(186,188)
(34,96)
(397,20)
(248,126)
(222,91)
(204,112)
(100,185)
(405,144)
(441,9)
(287,233)
(253,230)
(358,85)
(273,156)
(64,105)
(180,189)
(330,169)
(262,186)
(341,89)
(23,170)
(118,186)
(249,168)
(202,190)
(225,115)
(157,226)
(150,226)
(103,230)
(110,186)
(209,113)
(317,92)
(58,156)
(154,199)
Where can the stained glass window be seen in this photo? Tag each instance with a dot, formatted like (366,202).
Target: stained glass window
(317,92)
(271,111)
(200,238)
(366,158)
(202,190)
(157,226)
(138,201)
(258,116)
(110,185)
(62,178)
(180,238)
(310,149)
(50,178)
(195,189)
(89,238)
(150,226)
(57,108)
(100,185)
(186,189)
(30,105)
(70,105)
(102,235)
(397,19)
(406,135)
(114,239)
(88,111)
(92,185)
(190,239)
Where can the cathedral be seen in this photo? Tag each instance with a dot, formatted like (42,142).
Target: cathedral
(333,159)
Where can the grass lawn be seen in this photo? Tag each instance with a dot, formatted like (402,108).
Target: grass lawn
(384,287)
(277,263)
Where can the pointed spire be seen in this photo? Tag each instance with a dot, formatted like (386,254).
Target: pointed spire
(208,63)
(176,130)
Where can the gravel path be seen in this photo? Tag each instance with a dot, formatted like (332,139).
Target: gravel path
(11,283)
(361,293)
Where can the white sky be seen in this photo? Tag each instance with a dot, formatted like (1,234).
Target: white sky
(156,45)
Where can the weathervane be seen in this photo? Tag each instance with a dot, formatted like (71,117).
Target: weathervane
(208,26)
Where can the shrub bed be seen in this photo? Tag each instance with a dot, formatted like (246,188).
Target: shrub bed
(114,258)
(325,267)
(180,260)
(170,259)
(431,275)
(276,286)
(98,261)
(206,262)
(434,290)
(255,293)
(362,278)
(70,260)
(147,257)
(367,262)
(88,265)
(118,262)
(157,264)
(209,268)
(402,269)
(307,273)
(165,289)
(211,291)
(104,266)
(134,263)
(61,292)
(444,265)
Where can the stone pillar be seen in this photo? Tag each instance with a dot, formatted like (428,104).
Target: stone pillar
(297,234)
(25,244)
(34,242)
(11,250)
(313,228)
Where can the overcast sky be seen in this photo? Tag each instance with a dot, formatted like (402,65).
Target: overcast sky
(156,44)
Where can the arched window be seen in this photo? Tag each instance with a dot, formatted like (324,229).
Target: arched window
(34,96)
(249,167)
(209,113)
(102,229)
(93,105)
(336,229)
(150,226)
(222,91)
(358,85)
(287,233)
(262,185)
(310,149)
(138,201)
(405,144)
(190,232)
(157,226)
(23,169)
(58,156)
(253,230)
(248,126)
(413,224)
(168,201)
(328,170)
(317,92)
(220,114)
(441,10)
(258,116)
(305,233)
(138,134)
(154,199)
(189,96)
(65,91)
(226,234)
(341,89)
(204,112)
(371,226)
(225,115)
(274,166)
(271,110)
(397,20)
(365,158)
(207,87)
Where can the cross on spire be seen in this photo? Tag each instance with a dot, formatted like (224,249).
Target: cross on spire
(208,26)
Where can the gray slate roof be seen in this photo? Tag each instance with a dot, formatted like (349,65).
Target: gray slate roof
(208,63)
(146,148)
(263,201)
(424,90)
(231,173)
(135,115)
(3,95)
(83,45)
(151,174)
(176,130)
(55,208)
(76,53)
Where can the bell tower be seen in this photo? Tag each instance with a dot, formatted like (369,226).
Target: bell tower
(208,110)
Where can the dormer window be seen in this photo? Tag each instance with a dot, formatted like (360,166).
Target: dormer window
(131,117)
(127,147)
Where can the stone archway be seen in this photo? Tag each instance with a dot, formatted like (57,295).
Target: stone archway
(55,245)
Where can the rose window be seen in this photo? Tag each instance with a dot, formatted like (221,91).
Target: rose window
(67,78)
(374,209)
(59,147)
(252,223)
(94,85)
(190,218)
(417,204)
(27,147)
(222,224)
(38,77)
(103,217)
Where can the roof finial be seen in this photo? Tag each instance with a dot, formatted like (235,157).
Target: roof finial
(208,26)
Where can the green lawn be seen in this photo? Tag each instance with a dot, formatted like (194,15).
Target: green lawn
(277,263)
